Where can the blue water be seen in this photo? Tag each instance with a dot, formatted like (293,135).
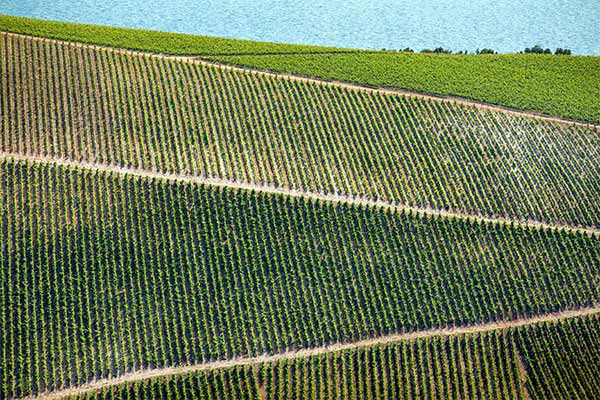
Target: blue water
(504,25)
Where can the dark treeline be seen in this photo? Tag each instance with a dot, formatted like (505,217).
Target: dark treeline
(537,49)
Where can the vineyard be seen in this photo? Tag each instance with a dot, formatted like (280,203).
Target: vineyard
(159,212)
(181,117)
(485,364)
(488,365)
(565,86)
(104,263)
(154,41)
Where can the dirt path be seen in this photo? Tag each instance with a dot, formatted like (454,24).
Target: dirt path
(244,361)
(334,198)
(195,59)
(523,376)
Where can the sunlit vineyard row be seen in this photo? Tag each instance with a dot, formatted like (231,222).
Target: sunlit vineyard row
(105,273)
(181,117)
(543,361)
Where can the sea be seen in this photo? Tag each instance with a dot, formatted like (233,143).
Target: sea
(503,25)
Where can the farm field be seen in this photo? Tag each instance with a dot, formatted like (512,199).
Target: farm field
(493,364)
(121,272)
(172,227)
(178,116)
(153,41)
(564,86)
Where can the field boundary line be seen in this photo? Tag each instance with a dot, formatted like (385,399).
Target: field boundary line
(200,60)
(145,374)
(390,90)
(325,197)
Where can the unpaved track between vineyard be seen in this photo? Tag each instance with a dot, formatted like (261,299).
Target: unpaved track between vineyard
(325,197)
(197,59)
(288,355)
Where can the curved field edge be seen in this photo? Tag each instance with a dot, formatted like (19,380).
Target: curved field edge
(507,350)
(549,85)
(564,86)
(125,272)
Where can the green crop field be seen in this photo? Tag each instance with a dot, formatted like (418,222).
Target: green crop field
(475,366)
(175,228)
(154,41)
(182,117)
(123,272)
(487,365)
(565,86)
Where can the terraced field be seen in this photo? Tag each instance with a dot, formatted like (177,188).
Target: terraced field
(175,229)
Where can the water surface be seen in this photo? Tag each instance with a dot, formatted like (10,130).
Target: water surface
(505,25)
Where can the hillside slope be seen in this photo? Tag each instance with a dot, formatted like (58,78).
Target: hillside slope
(568,86)
(103,274)
(181,116)
(555,85)
(160,212)
(502,364)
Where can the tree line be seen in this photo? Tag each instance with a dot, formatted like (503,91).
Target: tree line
(537,49)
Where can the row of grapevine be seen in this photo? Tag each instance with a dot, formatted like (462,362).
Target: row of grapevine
(103,274)
(563,359)
(461,367)
(558,360)
(222,384)
(180,117)
(477,366)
